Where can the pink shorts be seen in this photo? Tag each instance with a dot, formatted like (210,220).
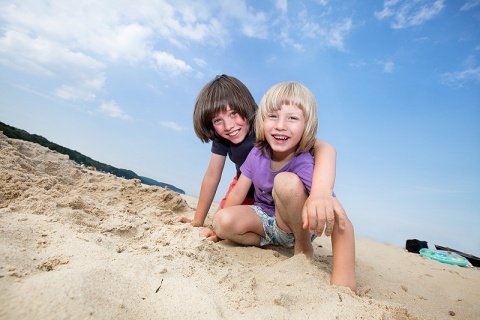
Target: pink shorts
(247,201)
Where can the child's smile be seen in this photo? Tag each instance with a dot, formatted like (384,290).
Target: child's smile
(280,138)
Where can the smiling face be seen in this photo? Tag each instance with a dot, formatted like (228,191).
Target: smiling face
(283,130)
(230,125)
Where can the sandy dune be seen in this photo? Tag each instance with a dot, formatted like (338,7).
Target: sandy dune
(77,244)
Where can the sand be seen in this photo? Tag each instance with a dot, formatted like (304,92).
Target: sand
(77,244)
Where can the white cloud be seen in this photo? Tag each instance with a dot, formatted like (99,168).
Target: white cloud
(31,90)
(469,5)
(72,42)
(129,42)
(82,76)
(335,36)
(252,24)
(200,62)
(195,21)
(470,72)
(287,41)
(358,64)
(111,109)
(168,63)
(172,125)
(406,13)
(74,93)
(281,5)
(387,9)
(329,33)
(318,25)
(110,23)
(388,66)
(421,39)
(26,54)
(459,78)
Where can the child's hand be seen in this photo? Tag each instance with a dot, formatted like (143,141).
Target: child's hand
(209,234)
(319,213)
(191,222)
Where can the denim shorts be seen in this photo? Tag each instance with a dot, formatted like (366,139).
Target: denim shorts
(273,234)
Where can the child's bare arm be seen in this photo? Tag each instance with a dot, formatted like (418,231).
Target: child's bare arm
(239,192)
(343,251)
(207,191)
(321,206)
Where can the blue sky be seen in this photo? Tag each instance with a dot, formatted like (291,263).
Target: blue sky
(397,83)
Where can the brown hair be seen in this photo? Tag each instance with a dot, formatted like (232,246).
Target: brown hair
(222,92)
(289,93)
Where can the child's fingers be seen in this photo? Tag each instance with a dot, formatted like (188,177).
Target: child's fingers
(310,221)
(342,217)
(305,224)
(341,214)
(330,222)
(183,219)
(313,219)
(319,224)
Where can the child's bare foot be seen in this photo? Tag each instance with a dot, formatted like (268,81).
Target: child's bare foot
(307,250)
(308,254)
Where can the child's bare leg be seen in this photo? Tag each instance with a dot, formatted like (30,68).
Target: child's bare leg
(239,224)
(343,250)
(290,196)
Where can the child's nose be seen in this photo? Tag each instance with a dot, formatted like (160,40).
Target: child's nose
(280,124)
(229,124)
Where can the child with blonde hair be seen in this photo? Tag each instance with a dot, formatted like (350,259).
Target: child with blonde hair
(280,167)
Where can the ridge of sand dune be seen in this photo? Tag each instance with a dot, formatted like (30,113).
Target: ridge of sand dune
(76,244)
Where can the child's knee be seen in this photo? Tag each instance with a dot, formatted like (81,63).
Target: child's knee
(221,221)
(287,184)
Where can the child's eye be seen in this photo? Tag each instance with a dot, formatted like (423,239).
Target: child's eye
(271,116)
(216,121)
(233,113)
(293,118)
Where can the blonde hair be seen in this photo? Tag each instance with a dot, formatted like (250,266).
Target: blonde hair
(222,92)
(288,93)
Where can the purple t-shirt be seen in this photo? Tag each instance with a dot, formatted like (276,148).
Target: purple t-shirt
(257,168)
